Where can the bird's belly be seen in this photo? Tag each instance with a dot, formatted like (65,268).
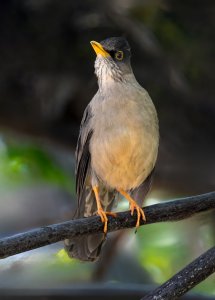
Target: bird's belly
(124,157)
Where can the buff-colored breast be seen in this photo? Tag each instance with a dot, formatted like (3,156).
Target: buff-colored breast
(125,138)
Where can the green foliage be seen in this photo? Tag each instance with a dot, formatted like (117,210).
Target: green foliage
(26,163)
(166,248)
(162,253)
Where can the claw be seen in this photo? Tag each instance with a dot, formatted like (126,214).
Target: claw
(140,212)
(103,217)
(133,206)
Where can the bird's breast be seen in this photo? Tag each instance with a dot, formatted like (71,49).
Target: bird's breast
(124,144)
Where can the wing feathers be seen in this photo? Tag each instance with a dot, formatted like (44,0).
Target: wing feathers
(82,152)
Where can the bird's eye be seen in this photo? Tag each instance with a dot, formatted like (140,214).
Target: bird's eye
(119,55)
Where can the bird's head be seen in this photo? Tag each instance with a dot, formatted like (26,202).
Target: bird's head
(113,59)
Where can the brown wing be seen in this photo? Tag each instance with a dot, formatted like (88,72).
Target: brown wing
(82,154)
(85,248)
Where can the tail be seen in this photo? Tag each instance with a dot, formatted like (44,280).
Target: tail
(88,248)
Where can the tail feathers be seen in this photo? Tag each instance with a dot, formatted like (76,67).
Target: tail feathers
(88,248)
(85,248)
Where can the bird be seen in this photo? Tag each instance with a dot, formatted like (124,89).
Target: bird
(117,146)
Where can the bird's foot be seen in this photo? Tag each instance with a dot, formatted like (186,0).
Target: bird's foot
(134,206)
(104,218)
(103,215)
(140,212)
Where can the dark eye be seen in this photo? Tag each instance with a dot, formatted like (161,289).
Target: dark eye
(119,55)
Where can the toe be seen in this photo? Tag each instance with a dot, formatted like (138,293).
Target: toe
(132,209)
(104,219)
(138,218)
(105,227)
(143,215)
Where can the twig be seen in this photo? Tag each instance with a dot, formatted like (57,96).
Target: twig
(169,211)
(186,279)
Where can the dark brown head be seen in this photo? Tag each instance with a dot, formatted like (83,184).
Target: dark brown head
(113,57)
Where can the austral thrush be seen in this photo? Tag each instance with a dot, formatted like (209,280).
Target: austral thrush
(117,146)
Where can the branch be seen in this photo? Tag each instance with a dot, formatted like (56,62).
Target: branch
(105,291)
(169,211)
(186,279)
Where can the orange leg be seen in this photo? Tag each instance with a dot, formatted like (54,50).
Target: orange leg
(103,214)
(133,206)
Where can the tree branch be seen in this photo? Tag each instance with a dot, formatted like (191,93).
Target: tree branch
(186,279)
(169,211)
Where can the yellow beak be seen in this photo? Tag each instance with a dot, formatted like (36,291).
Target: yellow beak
(99,49)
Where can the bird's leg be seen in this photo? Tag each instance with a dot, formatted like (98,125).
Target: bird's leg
(100,211)
(133,206)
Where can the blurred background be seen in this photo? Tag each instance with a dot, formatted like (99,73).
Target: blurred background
(47,79)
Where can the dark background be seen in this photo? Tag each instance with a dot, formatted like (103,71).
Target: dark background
(46,80)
